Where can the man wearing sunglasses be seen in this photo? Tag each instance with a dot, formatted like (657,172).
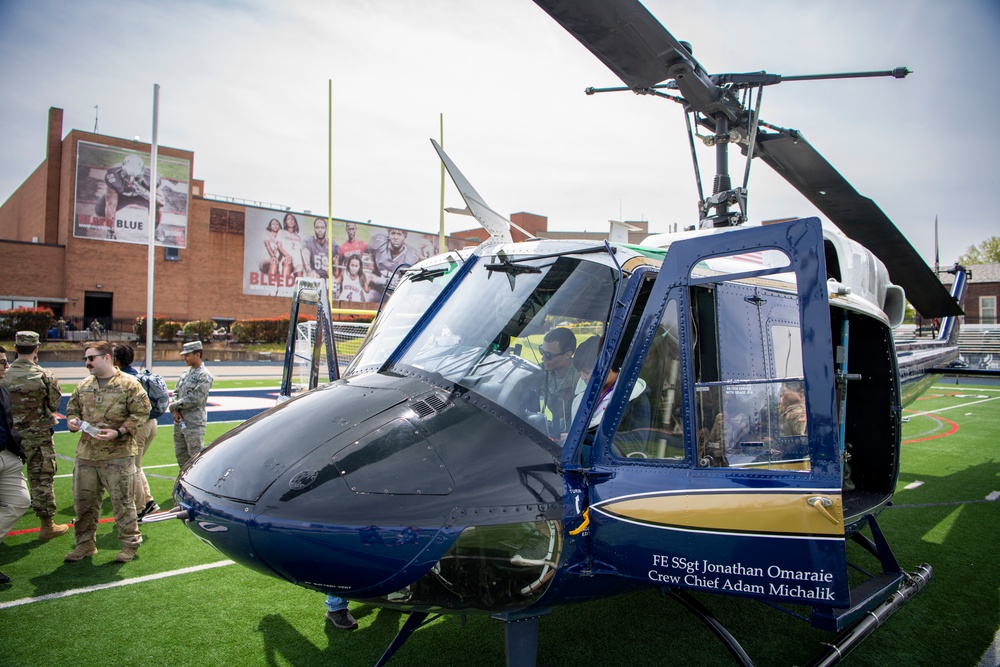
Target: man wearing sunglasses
(557,350)
(109,407)
(34,400)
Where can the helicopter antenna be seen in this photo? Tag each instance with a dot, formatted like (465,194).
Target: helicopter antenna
(936,257)
(495,224)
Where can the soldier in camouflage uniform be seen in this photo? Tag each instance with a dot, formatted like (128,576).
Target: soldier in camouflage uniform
(188,404)
(14,498)
(792,409)
(34,400)
(109,406)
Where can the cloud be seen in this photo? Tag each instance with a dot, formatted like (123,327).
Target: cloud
(245,86)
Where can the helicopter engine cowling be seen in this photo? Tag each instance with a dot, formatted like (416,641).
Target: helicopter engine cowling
(363,488)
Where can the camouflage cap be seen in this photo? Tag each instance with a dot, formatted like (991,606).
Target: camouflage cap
(193,346)
(26,338)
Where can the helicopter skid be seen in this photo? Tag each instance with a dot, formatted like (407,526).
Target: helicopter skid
(912,583)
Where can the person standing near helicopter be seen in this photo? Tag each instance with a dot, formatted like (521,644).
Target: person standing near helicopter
(188,404)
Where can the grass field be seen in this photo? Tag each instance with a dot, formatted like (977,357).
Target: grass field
(152,611)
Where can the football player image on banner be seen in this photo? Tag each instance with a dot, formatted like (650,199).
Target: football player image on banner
(280,246)
(113,191)
(275,252)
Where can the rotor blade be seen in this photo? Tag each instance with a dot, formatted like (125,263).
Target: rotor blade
(638,49)
(858,217)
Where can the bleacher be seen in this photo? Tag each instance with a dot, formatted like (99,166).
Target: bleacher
(979,340)
(978,344)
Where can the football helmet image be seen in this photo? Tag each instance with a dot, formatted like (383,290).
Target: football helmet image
(132,169)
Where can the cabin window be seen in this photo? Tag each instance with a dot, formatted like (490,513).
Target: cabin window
(749,399)
(651,426)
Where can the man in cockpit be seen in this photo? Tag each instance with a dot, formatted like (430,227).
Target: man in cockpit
(557,351)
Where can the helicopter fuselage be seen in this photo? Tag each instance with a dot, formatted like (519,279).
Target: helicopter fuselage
(701,448)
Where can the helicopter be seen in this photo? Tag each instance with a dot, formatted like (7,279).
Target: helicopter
(544,422)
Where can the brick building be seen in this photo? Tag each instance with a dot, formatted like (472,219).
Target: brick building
(538,226)
(982,294)
(58,250)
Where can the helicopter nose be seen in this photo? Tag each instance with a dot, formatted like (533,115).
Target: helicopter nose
(363,498)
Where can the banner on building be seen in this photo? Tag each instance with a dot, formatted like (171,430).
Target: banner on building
(112,196)
(280,246)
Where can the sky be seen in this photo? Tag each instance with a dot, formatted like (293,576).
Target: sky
(245,84)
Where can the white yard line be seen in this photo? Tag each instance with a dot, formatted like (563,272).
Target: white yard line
(954,407)
(114,584)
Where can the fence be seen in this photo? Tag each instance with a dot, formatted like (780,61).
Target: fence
(78,329)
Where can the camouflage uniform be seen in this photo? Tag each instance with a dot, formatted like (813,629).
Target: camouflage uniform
(190,397)
(34,399)
(792,410)
(14,499)
(120,404)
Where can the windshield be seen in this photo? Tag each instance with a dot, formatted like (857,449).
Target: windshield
(509,332)
(411,298)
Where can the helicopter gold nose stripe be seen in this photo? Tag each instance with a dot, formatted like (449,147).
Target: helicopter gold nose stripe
(774,513)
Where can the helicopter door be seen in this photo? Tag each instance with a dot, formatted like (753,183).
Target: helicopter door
(716,463)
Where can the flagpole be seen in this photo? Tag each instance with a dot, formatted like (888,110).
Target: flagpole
(151,227)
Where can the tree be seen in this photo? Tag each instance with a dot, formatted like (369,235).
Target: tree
(986,252)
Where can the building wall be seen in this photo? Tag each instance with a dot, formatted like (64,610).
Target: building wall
(34,270)
(975,291)
(22,217)
(538,225)
(204,282)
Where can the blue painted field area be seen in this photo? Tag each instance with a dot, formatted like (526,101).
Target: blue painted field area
(224,405)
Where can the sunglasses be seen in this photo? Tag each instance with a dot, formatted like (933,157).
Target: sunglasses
(4,362)
(550,355)
(91,357)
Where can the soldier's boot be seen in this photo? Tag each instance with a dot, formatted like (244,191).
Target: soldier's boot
(83,550)
(50,529)
(126,554)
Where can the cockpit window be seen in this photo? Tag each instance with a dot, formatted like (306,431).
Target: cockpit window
(652,425)
(494,335)
(416,291)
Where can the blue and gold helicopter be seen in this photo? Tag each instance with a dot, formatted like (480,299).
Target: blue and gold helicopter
(537,423)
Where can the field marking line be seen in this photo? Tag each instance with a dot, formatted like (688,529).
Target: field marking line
(115,584)
(951,387)
(953,407)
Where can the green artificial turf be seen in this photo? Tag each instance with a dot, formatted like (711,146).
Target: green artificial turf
(230,615)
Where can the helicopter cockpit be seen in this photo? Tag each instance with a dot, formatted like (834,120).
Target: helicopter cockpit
(486,337)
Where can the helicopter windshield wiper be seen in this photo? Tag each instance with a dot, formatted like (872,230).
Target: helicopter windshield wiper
(510,266)
(427,274)
(513,269)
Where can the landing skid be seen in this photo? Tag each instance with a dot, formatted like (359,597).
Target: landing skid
(520,635)
(413,621)
(872,602)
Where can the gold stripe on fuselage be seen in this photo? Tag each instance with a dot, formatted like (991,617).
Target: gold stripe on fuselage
(743,512)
